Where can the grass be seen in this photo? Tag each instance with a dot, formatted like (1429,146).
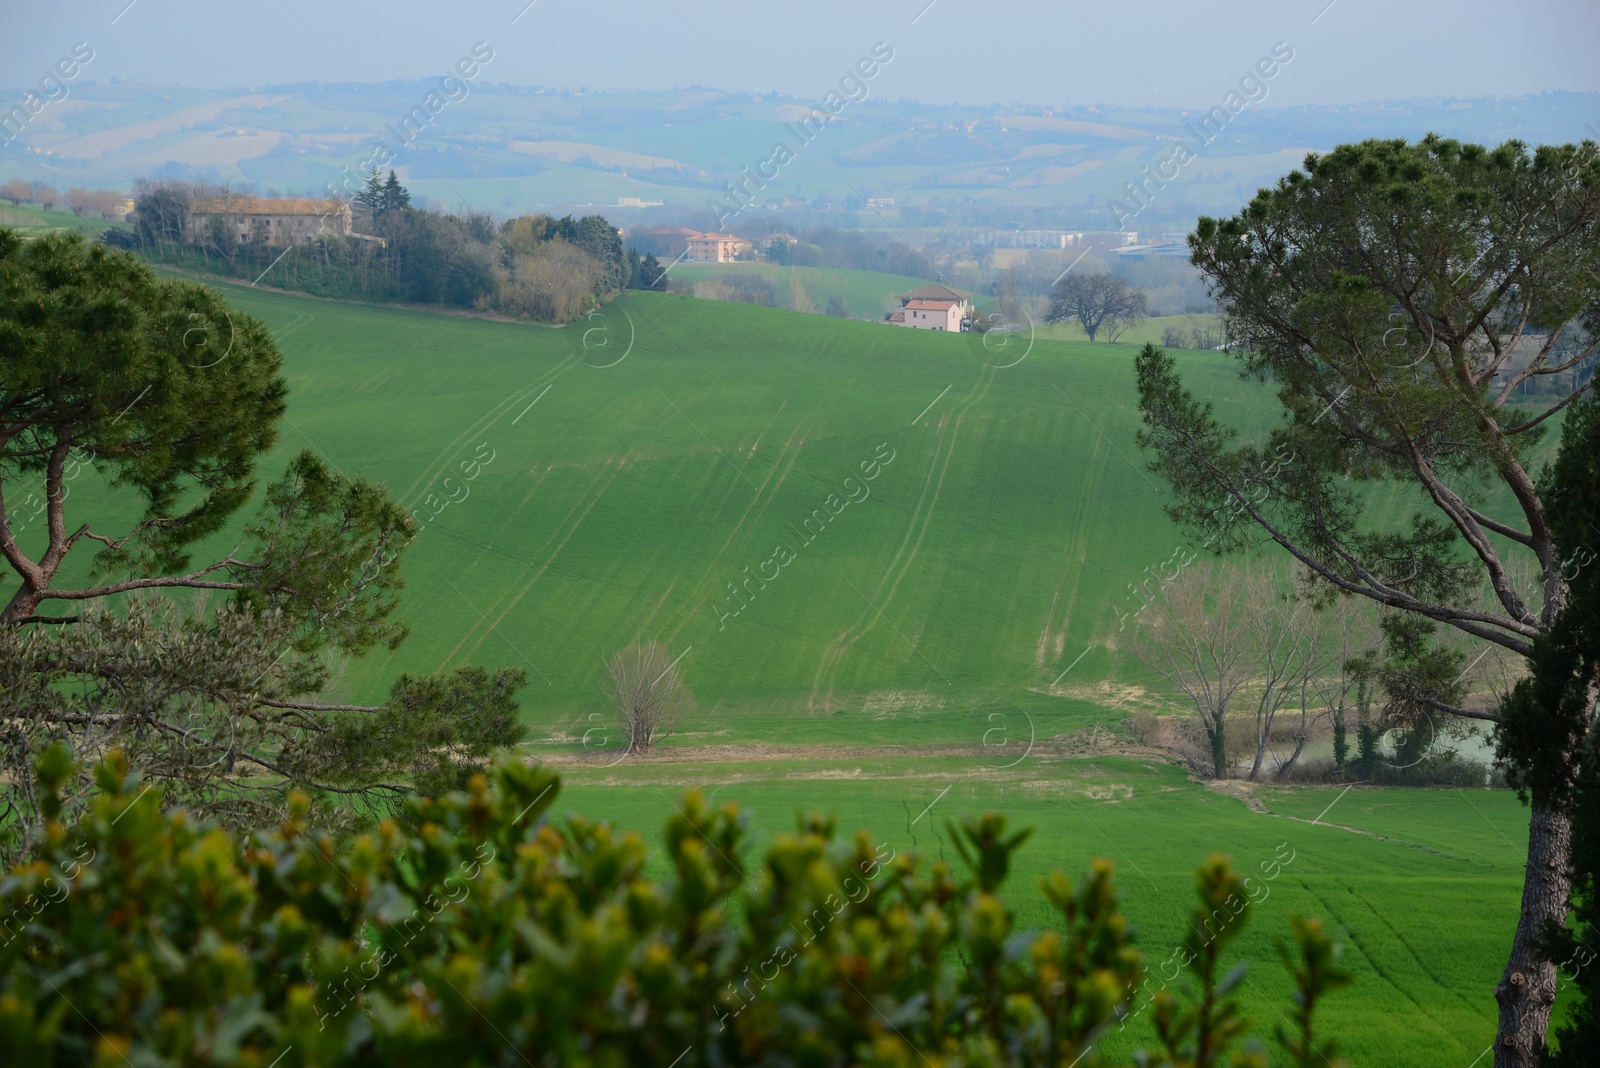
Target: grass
(32,218)
(631,467)
(639,499)
(638,472)
(868,294)
(1424,916)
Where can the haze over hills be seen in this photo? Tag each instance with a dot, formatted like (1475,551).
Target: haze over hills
(509,149)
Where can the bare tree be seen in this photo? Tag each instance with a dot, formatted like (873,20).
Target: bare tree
(1334,636)
(1099,302)
(17,190)
(1198,637)
(1242,637)
(1281,636)
(650,695)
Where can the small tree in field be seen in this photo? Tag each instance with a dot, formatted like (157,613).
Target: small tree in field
(1098,302)
(1199,640)
(650,695)
(17,190)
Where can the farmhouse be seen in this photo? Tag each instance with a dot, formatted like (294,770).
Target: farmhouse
(934,307)
(715,248)
(276,222)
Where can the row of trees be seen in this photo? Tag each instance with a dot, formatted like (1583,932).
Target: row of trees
(78,200)
(1239,643)
(533,266)
(1248,645)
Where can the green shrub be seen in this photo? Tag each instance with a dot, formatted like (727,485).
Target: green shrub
(489,935)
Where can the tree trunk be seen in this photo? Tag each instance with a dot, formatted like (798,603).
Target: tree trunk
(1299,747)
(22,605)
(1219,750)
(1527,991)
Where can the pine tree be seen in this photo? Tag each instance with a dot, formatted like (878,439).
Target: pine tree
(395,197)
(370,198)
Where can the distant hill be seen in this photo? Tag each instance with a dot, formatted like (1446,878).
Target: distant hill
(510,149)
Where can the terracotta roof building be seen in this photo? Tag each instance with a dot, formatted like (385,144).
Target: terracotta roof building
(934,307)
(715,248)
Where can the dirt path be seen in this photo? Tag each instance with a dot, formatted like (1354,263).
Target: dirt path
(728,754)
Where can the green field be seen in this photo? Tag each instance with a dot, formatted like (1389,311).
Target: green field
(868,294)
(1425,913)
(30,218)
(982,560)
(631,467)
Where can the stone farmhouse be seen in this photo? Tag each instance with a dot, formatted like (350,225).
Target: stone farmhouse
(276,222)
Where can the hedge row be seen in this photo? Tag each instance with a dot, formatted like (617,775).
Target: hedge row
(479,932)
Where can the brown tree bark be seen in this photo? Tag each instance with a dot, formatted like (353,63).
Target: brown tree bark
(1527,990)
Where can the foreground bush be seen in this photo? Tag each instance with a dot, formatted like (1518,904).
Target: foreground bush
(492,936)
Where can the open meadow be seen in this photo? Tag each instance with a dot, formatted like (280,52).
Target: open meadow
(892,564)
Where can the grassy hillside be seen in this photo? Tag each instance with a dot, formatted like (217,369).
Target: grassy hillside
(868,294)
(582,487)
(705,490)
(639,499)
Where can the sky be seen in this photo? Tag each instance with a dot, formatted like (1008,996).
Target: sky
(1154,53)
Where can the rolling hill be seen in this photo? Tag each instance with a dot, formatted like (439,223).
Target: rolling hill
(945,534)
(692,472)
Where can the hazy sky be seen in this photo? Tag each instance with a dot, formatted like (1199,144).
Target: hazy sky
(1064,52)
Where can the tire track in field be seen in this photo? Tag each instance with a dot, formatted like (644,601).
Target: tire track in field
(1398,937)
(1378,969)
(522,585)
(437,466)
(1052,642)
(832,662)
(301,319)
(791,450)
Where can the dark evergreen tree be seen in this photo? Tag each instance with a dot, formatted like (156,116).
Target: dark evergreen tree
(1549,715)
(161,216)
(395,197)
(600,239)
(370,198)
(650,272)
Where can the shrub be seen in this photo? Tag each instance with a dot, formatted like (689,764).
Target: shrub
(491,935)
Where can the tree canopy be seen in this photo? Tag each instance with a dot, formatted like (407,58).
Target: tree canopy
(1425,311)
(1097,302)
(161,390)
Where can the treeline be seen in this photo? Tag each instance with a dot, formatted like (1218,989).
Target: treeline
(532,266)
(824,246)
(78,200)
